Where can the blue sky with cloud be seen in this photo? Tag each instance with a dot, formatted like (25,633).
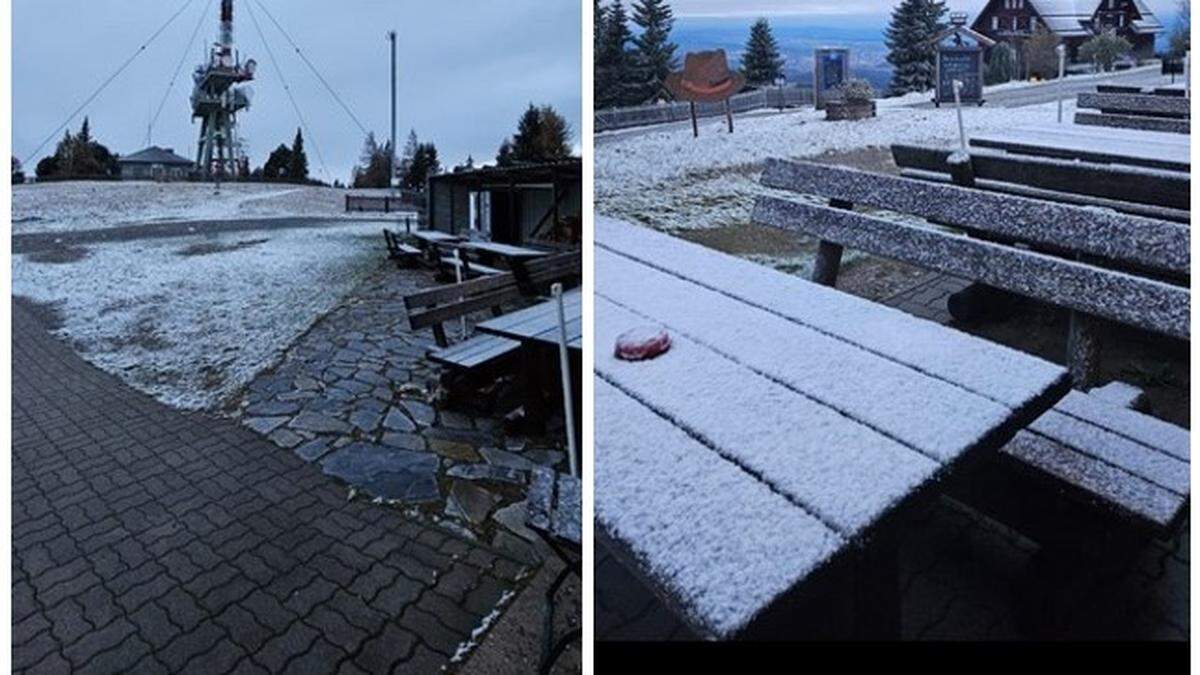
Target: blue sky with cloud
(467,71)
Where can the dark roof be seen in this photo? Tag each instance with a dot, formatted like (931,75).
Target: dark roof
(155,155)
(571,168)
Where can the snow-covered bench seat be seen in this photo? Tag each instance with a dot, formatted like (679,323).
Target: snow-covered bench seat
(470,268)
(1135,110)
(1111,457)
(781,439)
(1151,193)
(475,352)
(1154,298)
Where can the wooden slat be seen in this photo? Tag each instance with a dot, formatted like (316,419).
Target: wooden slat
(1115,121)
(871,327)
(1140,104)
(473,268)
(1133,209)
(1135,301)
(1154,244)
(746,543)
(1096,149)
(475,352)
(1171,189)
(1157,507)
(555,266)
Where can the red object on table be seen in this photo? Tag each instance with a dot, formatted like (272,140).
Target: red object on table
(641,343)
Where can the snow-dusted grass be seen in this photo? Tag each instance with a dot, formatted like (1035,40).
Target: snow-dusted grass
(191,329)
(670,181)
(85,205)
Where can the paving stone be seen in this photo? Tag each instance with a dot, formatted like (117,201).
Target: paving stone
(404,440)
(314,449)
(551,458)
(365,420)
(322,424)
(396,420)
(487,472)
(285,438)
(274,408)
(460,452)
(504,458)
(422,412)
(472,501)
(386,472)
(512,517)
(264,425)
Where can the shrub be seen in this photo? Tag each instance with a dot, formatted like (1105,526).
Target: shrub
(1001,65)
(1105,49)
(855,91)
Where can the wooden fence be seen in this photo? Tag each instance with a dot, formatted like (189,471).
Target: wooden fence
(769,97)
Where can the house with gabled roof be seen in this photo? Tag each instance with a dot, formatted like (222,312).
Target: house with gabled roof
(155,163)
(1074,21)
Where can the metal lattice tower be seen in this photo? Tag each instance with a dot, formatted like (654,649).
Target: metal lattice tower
(216,102)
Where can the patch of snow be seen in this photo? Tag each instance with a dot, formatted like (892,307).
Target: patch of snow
(485,623)
(191,329)
(720,542)
(87,205)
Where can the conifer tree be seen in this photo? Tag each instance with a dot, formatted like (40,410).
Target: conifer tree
(911,51)
(653,55)
(298,162)
(613,61)
(761,63)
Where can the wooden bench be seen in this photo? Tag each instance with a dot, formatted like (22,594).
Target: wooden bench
(1135,110)
(1125,475)
(449,265)
(403,254)
(1153,193)
(1073,269)
(431,308)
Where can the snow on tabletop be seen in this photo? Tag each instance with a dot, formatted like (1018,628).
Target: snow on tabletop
(1155,433)
(938,419)
(1120,394)
(841,471)
(191,329)
(88,205)
(718,541)
(1156,467)
(994,371)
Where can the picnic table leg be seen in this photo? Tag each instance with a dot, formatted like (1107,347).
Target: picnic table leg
(533,384)
(877,590)
(1083,350)
(827,264)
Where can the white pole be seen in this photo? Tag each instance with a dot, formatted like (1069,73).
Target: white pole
(1187,74)
(565,366)
(462,320)
(1062,73)
(962,130)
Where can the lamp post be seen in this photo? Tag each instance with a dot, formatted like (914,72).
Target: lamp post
(391,36)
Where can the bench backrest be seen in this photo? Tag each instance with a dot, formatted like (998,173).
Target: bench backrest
(1168,125)
(1149,192)
(429,308)
(1136,104)
(1055,229)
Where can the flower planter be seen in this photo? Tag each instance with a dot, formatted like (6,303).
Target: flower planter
(849,110)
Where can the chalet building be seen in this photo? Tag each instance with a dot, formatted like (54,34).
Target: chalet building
(154,163)
(1075,21)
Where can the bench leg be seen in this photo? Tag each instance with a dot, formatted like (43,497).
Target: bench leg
(877,590)
(1083,350)
(827,264)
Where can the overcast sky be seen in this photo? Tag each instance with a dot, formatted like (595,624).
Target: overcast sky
(467,71)
(864,8)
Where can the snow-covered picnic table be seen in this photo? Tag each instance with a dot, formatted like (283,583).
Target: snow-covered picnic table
(1104,145)
(539,324)
(436,237)
(786,421)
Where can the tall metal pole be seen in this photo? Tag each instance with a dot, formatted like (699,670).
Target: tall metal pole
(392,158)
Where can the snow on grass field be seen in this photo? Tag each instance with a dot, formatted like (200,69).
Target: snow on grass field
(86,205)
(190,320)
(670,181)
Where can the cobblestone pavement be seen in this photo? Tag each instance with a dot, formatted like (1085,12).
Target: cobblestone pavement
(149,540)
(357,396)
(962,575)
